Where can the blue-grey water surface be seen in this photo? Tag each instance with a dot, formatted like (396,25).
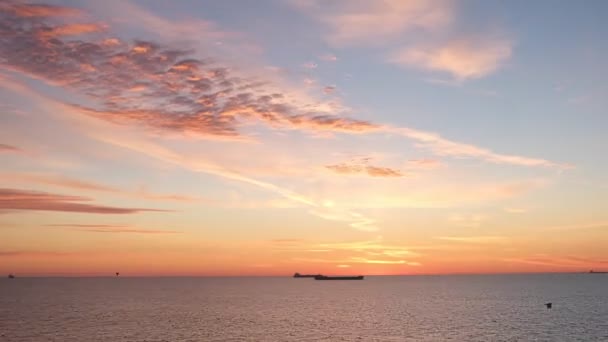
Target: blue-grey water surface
(408,308)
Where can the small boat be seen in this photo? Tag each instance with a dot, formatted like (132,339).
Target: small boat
(322,277)
(298,275)
(11,276)
(597,272)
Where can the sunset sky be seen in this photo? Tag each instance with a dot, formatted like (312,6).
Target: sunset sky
(269,137)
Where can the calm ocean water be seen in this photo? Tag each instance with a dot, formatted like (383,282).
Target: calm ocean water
(410,308)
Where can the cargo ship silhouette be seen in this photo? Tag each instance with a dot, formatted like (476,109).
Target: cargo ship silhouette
(322,277)
(298,275)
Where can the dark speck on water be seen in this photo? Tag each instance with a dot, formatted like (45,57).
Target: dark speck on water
(409,308)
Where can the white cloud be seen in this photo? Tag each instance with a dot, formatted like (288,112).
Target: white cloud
(462,58)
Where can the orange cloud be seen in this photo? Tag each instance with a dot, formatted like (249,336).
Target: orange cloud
(103,228)
(71,30)
(16,199)
(38,10)
(423,163)
(362,167)
(476,239)
(462,58)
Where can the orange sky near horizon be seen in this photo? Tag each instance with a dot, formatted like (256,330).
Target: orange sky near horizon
(393,137)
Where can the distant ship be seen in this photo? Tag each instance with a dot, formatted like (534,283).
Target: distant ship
(298,275)
(322,277)
(596,272)
(10,276)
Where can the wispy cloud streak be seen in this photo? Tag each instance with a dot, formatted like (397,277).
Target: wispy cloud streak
(16,199)
(105,228)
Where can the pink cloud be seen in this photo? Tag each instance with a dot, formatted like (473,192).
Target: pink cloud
(310,65)
(462,58)
(38,10)
(329,58)
(151,84)
(376,22)
(9,148)
(329,90)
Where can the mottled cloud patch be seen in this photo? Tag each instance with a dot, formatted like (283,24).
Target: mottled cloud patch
(167,90)
(4,148)
(104,228)
(151,84)
(362,166)
(462,58)
(17,199)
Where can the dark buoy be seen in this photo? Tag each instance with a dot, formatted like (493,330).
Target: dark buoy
(117,274)
(549,305)
(11,276)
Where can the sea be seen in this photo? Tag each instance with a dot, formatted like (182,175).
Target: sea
(379,308)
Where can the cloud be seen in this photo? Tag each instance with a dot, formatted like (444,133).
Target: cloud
(38,10)
(472,220)
(71,183)
(475,239)
(153,85)
(580,226)
(103,228)
(30,253)
(310,65)
(423,163)
(355,23)
(445,147)
(329,58)
(178,92)
(512,210)
(576,262)
(70,30)
(386,23)
(329,90)
(354,219)
(9,148)
(16,199)
(362,167)
(462,58)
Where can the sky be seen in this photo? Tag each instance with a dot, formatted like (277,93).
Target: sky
(222,138)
